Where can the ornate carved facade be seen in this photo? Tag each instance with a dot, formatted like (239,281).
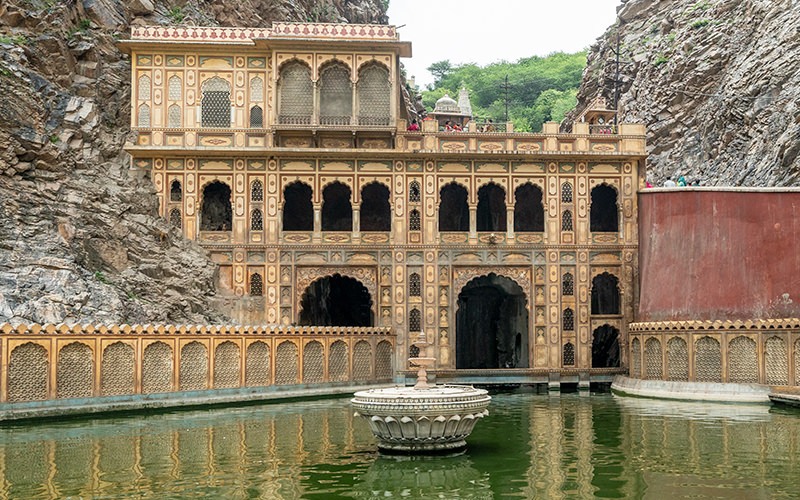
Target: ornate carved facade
(284,152)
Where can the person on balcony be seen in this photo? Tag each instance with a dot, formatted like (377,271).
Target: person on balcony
(414,127)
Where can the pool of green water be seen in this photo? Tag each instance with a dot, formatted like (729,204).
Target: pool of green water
(575,445)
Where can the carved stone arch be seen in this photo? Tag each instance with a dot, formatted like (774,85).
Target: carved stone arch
(519,275)
(463,182)
(335,61)
(367,276)
(291,60)
(370,62)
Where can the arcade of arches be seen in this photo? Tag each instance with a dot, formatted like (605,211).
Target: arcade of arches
(336,301)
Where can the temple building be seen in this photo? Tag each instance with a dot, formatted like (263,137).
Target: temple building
(284,153)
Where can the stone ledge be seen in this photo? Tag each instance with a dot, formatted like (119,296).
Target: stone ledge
(691,391)
(756,324)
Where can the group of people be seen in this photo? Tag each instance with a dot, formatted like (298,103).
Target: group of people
(453,127)
(682,182)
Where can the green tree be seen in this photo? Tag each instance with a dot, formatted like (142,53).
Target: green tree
(439,70)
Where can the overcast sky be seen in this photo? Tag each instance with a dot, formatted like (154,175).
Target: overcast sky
(485,31)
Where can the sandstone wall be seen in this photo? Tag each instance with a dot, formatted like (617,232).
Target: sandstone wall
(80,239)
(737,123)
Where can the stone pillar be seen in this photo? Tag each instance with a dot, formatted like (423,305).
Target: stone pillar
(510,223)
(315,102)
(356,224)
(473,224)
(317,238)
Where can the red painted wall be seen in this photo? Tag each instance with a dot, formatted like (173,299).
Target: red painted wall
(711,254)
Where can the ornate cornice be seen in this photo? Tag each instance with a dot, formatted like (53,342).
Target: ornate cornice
(755,324)
(64,329)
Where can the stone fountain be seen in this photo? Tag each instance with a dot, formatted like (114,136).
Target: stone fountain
(424,418)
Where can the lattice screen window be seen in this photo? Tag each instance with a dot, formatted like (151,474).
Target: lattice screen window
(569,354)
(295,98)
(257,364)
(117,370)
(174,116)
(256,220)
(175,191)
(707,360)
(677,359)
(27,373)
(414,192)
(567,284)
(256,90)
(286,363)
(194,367)
(743,361)
(144,87)
(362,359)
(414,321)
(256,117)
(216,103)
(636,358)
(568,319)
(413,351)
(175,218)
(652,354)
(174,93)
(75,371)
(337,362)
(257,191)
(414,285)
(313,362)
(144,116)
(335,96)
(414,222)
(157,368)
(566,221)
(566,193)
(383,360)
(226,366)
(256,285)
(374,96)
(776,357)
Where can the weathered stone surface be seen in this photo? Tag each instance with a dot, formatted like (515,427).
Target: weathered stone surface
(80,236)
(715,82)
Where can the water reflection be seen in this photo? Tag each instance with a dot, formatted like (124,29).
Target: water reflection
(531,446)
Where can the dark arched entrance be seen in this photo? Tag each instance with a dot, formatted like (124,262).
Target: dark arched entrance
(491,324)
(336,301)
(604,213)
(605,294)
(605,347)
(216,214)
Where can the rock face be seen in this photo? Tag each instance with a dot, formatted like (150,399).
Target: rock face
(716,82)
(80,236)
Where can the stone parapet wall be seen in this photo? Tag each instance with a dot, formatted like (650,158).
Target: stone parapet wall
(741,352)
(61,362)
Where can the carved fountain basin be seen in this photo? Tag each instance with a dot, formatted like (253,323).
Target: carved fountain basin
(422,420)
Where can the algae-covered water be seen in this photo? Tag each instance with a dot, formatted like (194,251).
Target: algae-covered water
(575,445)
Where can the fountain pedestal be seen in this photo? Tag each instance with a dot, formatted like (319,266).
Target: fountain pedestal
(423,418)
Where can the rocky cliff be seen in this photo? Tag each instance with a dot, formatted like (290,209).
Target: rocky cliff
(80,238)
(717,82)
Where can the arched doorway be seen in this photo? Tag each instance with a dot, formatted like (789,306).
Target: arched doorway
(605,347)
(604,212)
(491,324)
(491,214)
(453,208)
(216,214)
(605,294)
(336,301)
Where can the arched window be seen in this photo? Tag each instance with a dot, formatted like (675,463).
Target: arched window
(569,354)
(256,285)
(298,210)
(216,103)
(335,95)
(144,116)
(453,208)
(604,213)
(566,221)
(376,213)
(567,284)
(295,104)
(175,218)
(216,214)
(566,193)
(175,191)
(256,220)
(605,294)
(414,193)
(374,96)
(174,116)
(491,208)
(174,93)
(414,321)
(144,87)
(337,212)
(414,285)
(257,191)
(256,90)
(256,117)
(528,209)
(568,319)
(414,222)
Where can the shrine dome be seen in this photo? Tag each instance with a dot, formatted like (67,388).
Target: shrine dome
(446,104)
